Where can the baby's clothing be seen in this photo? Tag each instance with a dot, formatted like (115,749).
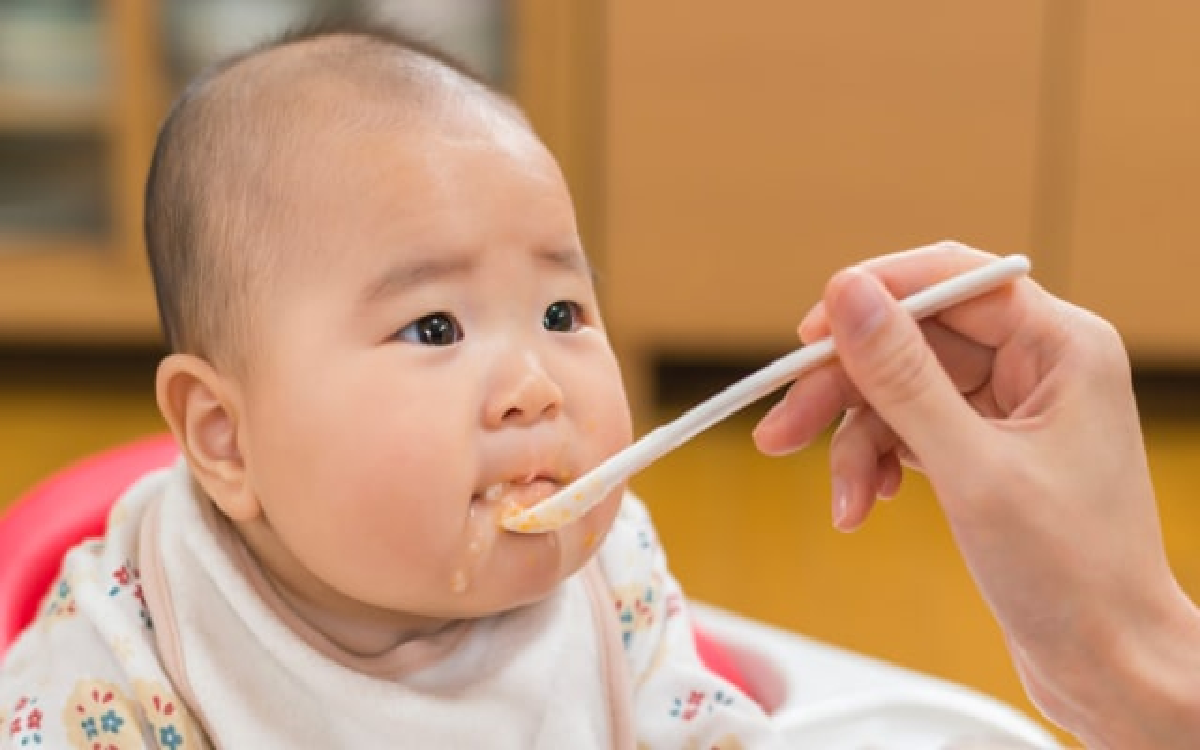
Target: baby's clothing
(166,634)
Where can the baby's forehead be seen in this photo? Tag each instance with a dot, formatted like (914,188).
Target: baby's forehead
(290,114)
(282,118)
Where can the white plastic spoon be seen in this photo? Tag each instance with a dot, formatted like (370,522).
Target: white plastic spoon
(580,496)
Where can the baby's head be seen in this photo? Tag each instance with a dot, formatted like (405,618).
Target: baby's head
(383,327)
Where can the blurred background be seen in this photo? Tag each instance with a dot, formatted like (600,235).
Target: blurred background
(725,159)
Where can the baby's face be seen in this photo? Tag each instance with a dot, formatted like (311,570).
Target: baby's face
(432,353)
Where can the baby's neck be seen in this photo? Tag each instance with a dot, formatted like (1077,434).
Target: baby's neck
(313,609)
(362,635)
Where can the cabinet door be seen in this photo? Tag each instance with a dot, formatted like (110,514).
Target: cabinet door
(79,97)
(753,148)
(1135,242)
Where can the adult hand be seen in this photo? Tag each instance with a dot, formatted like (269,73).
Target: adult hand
(1019,408)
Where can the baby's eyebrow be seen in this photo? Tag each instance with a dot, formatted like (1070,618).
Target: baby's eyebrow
(400,278)
(569,259)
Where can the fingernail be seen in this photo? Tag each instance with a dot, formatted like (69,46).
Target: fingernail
(841,502)
(765,425)
(809,318)
(774,413)
(861,304)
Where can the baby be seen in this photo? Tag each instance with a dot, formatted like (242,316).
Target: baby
(384,331)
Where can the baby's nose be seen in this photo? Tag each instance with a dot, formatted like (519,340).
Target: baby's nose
(524,394)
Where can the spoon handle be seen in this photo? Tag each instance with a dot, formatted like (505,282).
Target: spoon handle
(665,438)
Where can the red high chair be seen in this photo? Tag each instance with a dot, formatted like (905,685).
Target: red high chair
(61,511)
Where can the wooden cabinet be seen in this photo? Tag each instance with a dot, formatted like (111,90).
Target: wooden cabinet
(754,149)
(69,280)
(86,284)
(1134,239)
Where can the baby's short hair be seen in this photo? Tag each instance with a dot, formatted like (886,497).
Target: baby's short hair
(208,194)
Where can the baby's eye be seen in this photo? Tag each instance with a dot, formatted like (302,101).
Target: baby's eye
(563,316)
(435,329)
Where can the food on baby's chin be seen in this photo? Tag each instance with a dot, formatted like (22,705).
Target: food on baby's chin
(478,546)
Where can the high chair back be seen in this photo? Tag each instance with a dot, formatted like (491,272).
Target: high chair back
(63,510)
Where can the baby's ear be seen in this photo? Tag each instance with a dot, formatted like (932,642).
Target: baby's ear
(203,411)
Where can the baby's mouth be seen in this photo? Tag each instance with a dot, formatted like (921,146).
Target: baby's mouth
(513,496)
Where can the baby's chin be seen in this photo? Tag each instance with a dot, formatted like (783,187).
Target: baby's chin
(496,593)
(500,570)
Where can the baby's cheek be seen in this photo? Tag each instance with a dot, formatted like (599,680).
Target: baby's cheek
(395,524)
(613,435)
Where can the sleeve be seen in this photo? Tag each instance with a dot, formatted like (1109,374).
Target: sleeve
(678,702)
(85,674)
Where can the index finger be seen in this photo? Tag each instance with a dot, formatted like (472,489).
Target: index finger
(990,319)
(818,397)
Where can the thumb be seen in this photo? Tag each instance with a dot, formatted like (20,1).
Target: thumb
(884,353)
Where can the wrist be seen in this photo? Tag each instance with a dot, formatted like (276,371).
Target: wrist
(1147,691)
